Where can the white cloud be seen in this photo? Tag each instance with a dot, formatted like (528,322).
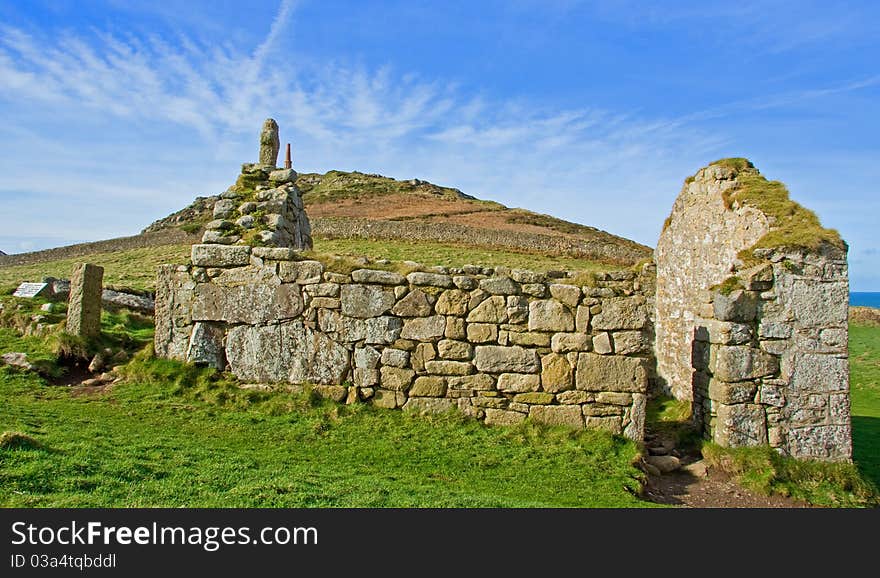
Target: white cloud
(338,117)
(137,126)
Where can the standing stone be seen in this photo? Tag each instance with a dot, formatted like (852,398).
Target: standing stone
(269,143)
(84,309)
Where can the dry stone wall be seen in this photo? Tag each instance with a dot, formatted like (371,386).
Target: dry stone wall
(496,344)
(771,362)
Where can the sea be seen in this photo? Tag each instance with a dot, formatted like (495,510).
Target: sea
(864,299)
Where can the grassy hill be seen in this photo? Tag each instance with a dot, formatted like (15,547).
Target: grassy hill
(368,206)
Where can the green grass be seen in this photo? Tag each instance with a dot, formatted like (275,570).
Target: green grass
(864,363)
(763,470)
(121,330)
(452,256)
(176,435)
(135,268)
(792,226)
(671,418)
(179,436)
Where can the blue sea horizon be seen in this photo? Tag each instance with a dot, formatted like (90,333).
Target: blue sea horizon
(864,299)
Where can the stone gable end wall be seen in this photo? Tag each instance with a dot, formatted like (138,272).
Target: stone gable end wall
(696,251)
(764,359)
(498,345)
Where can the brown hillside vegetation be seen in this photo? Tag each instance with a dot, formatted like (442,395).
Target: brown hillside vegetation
(370,206)
(865,316)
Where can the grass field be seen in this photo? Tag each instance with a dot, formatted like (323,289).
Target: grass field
(864,346)
(173,437)
(136,268)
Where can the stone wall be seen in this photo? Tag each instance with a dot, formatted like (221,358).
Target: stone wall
(496,344)
(601,247)
(263,207)
(771,359)
(755,335)
(696,250)
(753,332)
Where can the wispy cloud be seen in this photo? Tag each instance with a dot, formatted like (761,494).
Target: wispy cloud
(369,119)
(137,125)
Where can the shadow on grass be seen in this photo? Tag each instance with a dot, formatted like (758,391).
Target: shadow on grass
(866,446)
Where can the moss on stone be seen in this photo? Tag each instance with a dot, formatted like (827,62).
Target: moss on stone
(728,286)
(248,182)
(736,163)
(792,226)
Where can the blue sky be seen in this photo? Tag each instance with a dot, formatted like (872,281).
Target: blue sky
(116,113)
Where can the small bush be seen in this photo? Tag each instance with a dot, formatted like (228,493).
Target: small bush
(11,440)
(191,228)
(67,346)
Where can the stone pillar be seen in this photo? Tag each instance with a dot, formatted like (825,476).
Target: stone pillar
(269,143)
(84,309)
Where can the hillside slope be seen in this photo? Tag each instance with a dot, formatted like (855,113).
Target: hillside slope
(370,206)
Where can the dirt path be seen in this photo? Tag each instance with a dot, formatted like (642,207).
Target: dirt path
(695,484)
(714,490)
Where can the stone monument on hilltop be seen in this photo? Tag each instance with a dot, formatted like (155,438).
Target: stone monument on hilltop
(264,207)
(84,308)
(269,143)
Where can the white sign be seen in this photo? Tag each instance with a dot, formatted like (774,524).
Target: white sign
(30,290)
